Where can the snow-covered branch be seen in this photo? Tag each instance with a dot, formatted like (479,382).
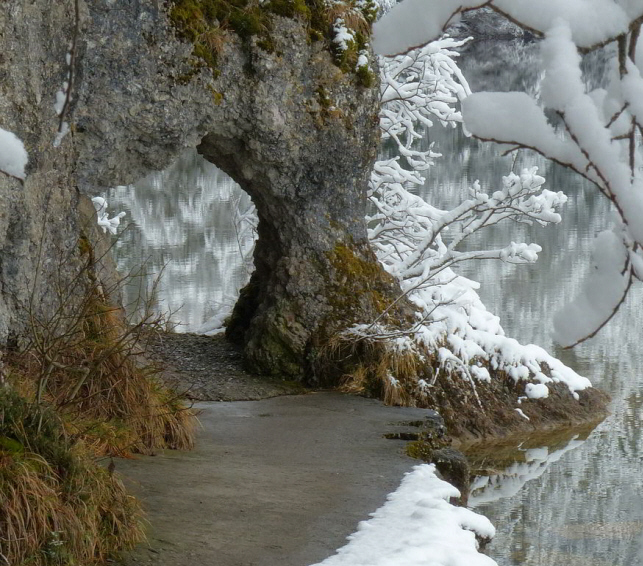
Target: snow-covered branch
(421,245)
(598,134)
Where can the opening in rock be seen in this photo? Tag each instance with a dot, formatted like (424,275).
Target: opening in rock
(188,241)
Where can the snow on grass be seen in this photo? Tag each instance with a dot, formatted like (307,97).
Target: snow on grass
(417,527)
(13,156)
(343,37)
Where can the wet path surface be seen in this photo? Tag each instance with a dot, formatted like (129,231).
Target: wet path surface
(280,481)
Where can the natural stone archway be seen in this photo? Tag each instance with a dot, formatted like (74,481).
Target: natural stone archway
(301,142)
(296,132)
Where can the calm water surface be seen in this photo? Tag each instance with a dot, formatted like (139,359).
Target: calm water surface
(578,501)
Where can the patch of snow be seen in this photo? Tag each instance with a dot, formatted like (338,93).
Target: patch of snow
(343,36)
(107,224)
(13,156)
(519,411)
(537,390)
(362,60)
(417,527)
(61,96)
(64,130)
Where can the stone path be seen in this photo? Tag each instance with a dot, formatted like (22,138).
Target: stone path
(275,482)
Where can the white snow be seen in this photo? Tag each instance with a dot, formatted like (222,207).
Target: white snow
(520,412)
(13,156)
(602,290)
(64,130)
(61,96)
(413,23)
(537,391)
(343,36)
(107,224)
(362,60)
(417,527)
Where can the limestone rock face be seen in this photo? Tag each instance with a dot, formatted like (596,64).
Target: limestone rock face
(299,136)
(38,223)
(296,132)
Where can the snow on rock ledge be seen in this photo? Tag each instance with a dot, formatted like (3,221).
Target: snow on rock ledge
(13,156)
(417,527)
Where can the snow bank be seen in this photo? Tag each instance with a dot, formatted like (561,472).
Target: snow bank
(417,527)
(13,156)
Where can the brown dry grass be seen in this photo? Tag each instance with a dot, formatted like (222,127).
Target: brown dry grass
(353,19)
(86,361)
(376,368)
(57,506)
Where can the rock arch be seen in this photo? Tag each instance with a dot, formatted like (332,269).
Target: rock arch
(296,132)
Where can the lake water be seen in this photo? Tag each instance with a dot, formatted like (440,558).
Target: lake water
(578,501)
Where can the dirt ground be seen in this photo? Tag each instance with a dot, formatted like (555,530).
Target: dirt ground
(279,481)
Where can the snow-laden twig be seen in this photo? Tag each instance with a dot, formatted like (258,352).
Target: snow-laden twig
(421,245)
(601,140)
(104,221)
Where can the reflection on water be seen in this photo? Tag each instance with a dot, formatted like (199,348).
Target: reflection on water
(185,225)
(579,502)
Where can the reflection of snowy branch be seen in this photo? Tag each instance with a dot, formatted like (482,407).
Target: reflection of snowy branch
(486,489)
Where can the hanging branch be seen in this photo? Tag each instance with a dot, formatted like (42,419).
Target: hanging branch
(71,71)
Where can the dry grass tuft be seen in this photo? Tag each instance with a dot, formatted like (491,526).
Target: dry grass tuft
(375,368)
(353,19)
(57,506)
(86,361)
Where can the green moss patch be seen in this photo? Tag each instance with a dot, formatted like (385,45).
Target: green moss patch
(207,23)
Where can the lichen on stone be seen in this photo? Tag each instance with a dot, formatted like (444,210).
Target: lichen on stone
(207,25)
